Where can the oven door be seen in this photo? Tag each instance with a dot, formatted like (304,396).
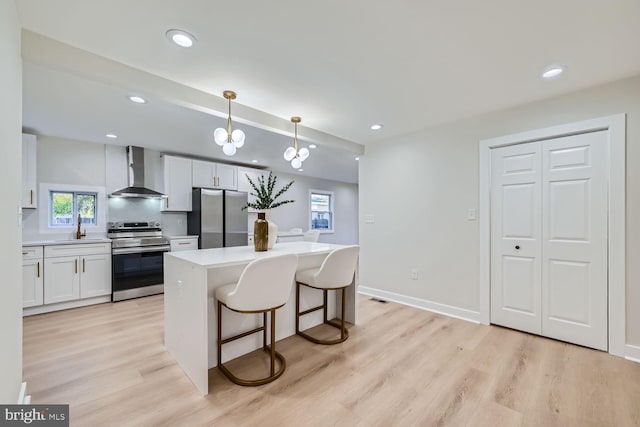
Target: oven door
(137,271)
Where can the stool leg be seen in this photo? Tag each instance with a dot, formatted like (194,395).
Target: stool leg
(264,330)
(219,333)
(273,340)
(344,304)
(297,307)
(324,301)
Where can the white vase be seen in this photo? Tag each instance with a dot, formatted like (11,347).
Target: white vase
(273,229)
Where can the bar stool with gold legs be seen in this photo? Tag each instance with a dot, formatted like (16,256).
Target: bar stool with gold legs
(263,287)
(335,273)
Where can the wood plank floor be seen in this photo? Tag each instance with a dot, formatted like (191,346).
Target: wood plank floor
(400,367)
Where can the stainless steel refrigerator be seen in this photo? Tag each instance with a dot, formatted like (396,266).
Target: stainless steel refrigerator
(217,218)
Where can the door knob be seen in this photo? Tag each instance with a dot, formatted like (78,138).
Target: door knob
(517,246)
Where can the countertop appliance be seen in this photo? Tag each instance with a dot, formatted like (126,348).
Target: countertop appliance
(137,259)
(217,218)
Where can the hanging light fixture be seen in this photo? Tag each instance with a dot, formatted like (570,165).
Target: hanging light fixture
(228,138)
(293,154)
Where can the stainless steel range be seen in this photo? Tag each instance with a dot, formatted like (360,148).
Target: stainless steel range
(137,259)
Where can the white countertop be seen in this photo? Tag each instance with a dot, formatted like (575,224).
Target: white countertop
(221,257)
(66,242)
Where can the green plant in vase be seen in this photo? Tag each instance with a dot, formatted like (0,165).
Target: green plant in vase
(265,232)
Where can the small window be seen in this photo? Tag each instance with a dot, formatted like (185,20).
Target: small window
(66,205)
(322,211)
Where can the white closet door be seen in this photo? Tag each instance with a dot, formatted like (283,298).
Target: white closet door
(515,237)
(574,239)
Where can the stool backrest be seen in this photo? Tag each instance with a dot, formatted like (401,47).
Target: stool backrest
(311,236)
(265,283)
(338,268)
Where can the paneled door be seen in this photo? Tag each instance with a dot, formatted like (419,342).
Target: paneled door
(549,238)
(515,237)
(574,239)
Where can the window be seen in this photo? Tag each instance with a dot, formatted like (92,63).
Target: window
(322,211)
(66,205)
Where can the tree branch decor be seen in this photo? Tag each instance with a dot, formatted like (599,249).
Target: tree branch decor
(265,199)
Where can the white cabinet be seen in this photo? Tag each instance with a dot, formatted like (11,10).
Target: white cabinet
(29,163)
(32,276)
(76,271)
(254,174)
(177,183)
(214,175)
(184,244)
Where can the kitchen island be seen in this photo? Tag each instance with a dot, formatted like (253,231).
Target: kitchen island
(190,280)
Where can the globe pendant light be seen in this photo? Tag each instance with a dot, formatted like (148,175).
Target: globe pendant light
(228,138)
(293,154)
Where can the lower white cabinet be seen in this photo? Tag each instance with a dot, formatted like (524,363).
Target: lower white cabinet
(32,277)
(76,272)
(184,244)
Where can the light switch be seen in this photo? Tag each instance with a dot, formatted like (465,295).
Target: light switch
(369,219)
(471,214)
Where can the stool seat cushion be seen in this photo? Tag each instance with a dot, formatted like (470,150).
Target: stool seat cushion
(308,276)
(222,293)
(336,271)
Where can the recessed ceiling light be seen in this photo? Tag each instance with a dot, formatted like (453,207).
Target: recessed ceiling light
(137,99)
(254,161)
(552,72)
(313,146)
(111,135)
(181,38)
(357,158)
(300,170)
(377,126)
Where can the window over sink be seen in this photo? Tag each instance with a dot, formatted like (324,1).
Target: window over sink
(66,205)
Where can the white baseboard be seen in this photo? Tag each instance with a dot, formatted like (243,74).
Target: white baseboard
(30,311)
(435,307)
(632,352)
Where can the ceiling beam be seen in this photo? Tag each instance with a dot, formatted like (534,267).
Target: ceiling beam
(51,53)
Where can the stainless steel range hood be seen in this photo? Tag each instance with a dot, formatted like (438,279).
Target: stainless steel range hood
(136,188)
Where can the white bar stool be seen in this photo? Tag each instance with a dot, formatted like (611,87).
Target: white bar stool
(264,286)
(335,273)
(311,236)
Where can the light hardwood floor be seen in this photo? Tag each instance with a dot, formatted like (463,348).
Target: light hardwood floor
(400,367)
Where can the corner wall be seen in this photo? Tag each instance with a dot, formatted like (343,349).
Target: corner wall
(10,177)
(420,186)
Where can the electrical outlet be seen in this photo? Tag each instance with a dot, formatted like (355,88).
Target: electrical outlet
(414,274)
(471,214)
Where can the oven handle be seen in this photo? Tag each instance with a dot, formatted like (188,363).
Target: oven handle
(122,251)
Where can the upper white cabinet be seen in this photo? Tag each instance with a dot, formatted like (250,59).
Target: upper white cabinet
(29,163)
(214,175)
(254,174)
(177,183)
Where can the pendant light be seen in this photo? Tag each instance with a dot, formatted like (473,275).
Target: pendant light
(293,154)
(228,138)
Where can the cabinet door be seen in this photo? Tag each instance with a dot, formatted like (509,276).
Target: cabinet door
(32,290)
(177,184)
(203,174)
(189,244)
(29,194)
(63,279)
(227,177)
(95,275)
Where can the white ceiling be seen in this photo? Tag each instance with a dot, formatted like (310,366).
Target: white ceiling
(344,65)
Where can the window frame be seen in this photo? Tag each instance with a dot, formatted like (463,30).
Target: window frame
(74,208)
(332,211)
(44,213)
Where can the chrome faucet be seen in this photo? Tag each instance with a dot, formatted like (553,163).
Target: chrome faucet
(80,235)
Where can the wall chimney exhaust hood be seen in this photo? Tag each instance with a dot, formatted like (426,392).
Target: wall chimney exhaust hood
(136,188)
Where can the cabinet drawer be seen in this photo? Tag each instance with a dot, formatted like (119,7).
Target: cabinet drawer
(31,252)
(77,250)
(184,245)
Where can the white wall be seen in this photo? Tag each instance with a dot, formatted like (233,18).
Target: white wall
(296,215)
(419,187)
(10,177)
